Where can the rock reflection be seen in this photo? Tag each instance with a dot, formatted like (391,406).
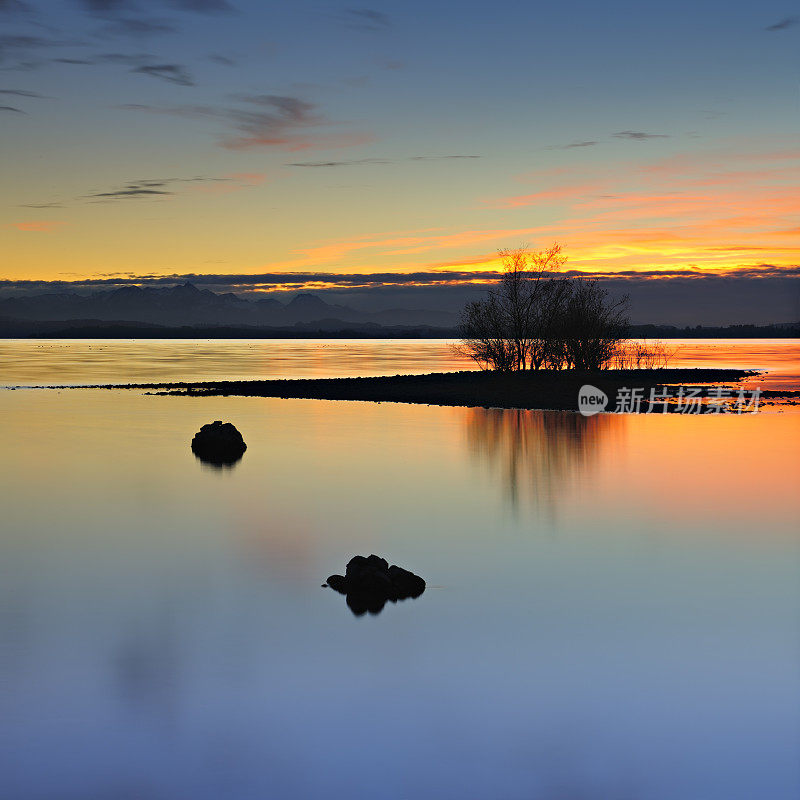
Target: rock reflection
(537,454)
(217,466)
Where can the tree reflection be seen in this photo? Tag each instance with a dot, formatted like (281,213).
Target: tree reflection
(538,454)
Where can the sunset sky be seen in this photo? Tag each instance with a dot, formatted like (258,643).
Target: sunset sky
(193,137)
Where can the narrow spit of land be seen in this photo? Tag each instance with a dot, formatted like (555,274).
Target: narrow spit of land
(529,390)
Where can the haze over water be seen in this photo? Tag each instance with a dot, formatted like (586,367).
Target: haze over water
(613,604)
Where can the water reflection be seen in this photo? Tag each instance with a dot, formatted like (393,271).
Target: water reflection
(537,454)
(91,361)
(148,664)
(164,635)
(212,465)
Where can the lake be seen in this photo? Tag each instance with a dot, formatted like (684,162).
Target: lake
(31,362)
(612,611)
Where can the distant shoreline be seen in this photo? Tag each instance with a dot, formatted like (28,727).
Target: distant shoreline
(94,329)
(529,390)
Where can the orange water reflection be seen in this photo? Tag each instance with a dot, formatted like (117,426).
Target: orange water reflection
(537,455)
(160,618)
(30,362)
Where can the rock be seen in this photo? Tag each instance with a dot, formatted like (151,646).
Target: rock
(358,565)
(369,582)
(218,443)
(407,583)
(338,582)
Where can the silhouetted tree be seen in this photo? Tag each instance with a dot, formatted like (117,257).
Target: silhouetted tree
(532,319)
(507,330)
(592,325)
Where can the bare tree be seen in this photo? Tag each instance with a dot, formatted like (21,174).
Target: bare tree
(506,330)
(592,326)
(532,319)
(485,340)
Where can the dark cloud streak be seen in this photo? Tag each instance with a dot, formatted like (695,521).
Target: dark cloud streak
(226,61)
(782,25)
(23,93)
(205,6)
(366,19)
(261,120)
(151,188)
(106,8)
(131,192)
(137,27)
(374,161)
(639,136)
(172,73)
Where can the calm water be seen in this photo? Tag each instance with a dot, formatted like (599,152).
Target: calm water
(613,608)
(31,362)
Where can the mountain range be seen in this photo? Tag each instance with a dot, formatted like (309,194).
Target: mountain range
(186,304)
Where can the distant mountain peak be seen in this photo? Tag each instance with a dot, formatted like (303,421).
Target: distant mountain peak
(127,290)
(306,300)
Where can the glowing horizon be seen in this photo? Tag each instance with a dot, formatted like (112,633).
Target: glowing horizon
(349,153)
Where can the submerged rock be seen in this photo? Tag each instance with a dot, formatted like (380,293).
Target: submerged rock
(369,582)
(218,443)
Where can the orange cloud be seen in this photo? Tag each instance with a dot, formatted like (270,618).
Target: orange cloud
(295,143)
(710,210)
(38,226)
(567,191)
(248,178)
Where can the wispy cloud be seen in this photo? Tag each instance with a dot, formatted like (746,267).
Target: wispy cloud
(22,93)
(73,61)
(226,61)
(17,45)
(11,108)
(13,7)
(271,120)
(173,73)
(634,136)
(266,120)
(372,161)
(568,191)
(124,59)
(161,188)
(38,226)
(366,19)
(137,27)
(639,136)
(130,191)
(782,25)
(110,7)
(205,6)
(573,145)
(23,52)
(106,6)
